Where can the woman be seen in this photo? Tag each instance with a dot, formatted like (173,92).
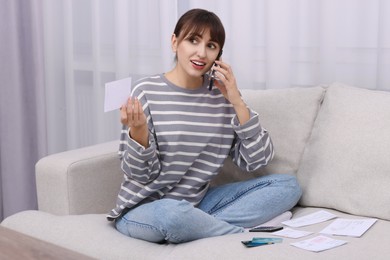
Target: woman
(177,134)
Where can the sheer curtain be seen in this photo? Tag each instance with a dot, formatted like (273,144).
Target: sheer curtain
(61,54)
(270,44)
(89,43)
(22,103)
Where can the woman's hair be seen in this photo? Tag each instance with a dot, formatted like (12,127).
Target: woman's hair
(196,21)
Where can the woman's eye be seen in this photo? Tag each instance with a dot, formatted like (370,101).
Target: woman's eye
(192,40)
(212,46)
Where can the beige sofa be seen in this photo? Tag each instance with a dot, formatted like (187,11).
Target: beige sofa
(335,139)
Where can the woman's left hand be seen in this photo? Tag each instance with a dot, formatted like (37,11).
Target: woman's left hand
(226,82)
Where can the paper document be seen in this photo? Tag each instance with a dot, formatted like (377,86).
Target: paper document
(314,218)
(116,94)
(319,243)
(349,227)
(291,233)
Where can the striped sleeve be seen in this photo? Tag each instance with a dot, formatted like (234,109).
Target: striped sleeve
(137,162)
(253,146)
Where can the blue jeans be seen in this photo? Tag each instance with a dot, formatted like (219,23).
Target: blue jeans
(225,209)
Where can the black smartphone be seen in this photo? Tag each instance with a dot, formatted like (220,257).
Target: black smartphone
(212,73)
(266,229)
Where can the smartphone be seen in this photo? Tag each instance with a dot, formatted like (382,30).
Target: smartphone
(266,229)
(212,73)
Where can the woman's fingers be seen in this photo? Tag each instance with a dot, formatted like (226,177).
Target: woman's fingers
(141,115)
(132,113)
(230,89)
(123,114)
(136,110)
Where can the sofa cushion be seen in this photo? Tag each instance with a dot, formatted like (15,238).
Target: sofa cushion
(288,115)
(346,163)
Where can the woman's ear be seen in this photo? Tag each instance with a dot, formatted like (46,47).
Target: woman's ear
(174,43)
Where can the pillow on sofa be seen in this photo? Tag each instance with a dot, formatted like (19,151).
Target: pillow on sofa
(288,114)
(346,164)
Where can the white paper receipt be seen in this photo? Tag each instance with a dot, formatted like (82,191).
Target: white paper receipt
(318,243)
(314,218)
(291,233)
(349,227)
(116,94)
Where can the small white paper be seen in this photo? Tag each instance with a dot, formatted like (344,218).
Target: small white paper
(314,218)
(291,233)
(349,227)
(319,243)
(116,94)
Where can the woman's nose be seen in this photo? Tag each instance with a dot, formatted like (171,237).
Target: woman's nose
(201,51)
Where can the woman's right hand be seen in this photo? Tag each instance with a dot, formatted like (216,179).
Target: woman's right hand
(132,113)
(133,116)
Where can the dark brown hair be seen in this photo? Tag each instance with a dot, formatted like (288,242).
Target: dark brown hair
(196,21)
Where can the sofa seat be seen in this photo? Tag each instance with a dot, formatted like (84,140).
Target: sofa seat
(93,235)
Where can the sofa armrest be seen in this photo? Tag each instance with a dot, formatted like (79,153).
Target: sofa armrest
(80,181)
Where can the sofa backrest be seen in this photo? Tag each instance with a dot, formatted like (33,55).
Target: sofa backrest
(336,141)
(288,114)
(346,163)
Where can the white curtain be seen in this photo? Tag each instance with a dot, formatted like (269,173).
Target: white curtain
(270,44)
(22,103)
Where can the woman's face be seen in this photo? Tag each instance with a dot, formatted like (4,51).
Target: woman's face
(195,54)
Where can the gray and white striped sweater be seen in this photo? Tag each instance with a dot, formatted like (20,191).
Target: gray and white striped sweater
(191,133)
